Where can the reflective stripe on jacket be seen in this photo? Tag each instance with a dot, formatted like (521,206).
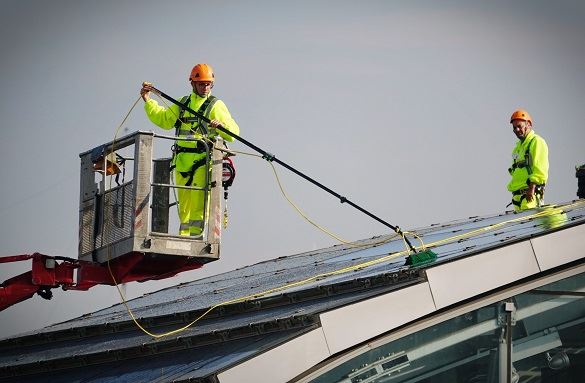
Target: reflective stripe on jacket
(530,162)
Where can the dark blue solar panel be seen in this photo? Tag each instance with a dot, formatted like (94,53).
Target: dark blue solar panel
(175,366)
(279,272)
(458,239)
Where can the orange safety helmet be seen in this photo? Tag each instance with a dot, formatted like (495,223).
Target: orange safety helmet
(521,114)
(202,72)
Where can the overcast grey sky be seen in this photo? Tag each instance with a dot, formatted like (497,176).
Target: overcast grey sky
(402,106)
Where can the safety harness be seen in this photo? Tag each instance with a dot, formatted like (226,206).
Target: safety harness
(538,193)
(201,147)
(526,163)
(228,168)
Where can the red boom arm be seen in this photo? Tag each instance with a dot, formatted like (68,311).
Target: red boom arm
(50,272)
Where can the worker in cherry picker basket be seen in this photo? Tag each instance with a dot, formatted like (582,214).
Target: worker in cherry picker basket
(189,159)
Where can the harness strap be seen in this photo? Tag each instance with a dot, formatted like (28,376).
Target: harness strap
(205,110)
(184,103)
(518,165)
(527,162)
(191,173)
(539,189)
(528,156)
(538,194)
(200,148)
(516,203)
(523,197)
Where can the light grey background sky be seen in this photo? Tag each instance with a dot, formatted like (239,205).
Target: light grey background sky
(402,106)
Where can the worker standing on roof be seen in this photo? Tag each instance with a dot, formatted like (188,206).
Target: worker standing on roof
(189,156)
(529,168)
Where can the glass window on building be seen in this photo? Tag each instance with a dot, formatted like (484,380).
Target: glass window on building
(543,328)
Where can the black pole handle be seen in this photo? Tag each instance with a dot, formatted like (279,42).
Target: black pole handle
(270,157)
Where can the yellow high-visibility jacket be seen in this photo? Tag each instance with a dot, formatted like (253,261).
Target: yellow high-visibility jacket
(529,162)
(166,118)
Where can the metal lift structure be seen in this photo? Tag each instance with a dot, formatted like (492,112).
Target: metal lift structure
(124,229)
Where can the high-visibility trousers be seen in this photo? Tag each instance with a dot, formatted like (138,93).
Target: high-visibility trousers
(192,203)
(521,203)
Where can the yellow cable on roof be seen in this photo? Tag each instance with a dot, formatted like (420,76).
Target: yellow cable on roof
(362,265)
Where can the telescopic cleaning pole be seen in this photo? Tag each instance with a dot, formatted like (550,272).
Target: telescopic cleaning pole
(270,157)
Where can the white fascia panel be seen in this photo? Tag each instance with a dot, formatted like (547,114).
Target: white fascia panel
(347,326)
(281,363)
(465,278)
(561,247)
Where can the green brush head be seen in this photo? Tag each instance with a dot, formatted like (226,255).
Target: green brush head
(421,258)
